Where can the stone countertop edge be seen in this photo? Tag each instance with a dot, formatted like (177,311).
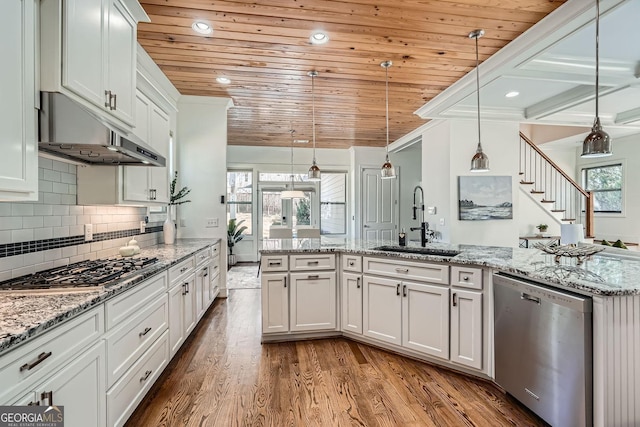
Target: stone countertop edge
(24,316)
(607,274)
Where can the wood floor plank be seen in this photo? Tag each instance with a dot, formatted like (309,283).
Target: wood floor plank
(224,376)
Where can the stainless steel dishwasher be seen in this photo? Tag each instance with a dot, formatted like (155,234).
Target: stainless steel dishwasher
(543,349)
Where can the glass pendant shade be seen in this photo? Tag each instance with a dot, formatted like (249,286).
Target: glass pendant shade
(314,171)
(479,161)
(598,142)
(387,170)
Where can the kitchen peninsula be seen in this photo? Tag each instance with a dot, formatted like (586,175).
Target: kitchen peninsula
(360,282)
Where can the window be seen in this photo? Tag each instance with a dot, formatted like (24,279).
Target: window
(333,203)
(239,198)
(606,184)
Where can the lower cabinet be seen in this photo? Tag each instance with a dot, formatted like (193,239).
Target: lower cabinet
(425,318)
(352,302)
(382,309)
(312,303)
(79,386)
(275,303)
(182,316)
(466,328)
(201,290)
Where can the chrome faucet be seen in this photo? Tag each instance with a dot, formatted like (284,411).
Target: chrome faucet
(425,234)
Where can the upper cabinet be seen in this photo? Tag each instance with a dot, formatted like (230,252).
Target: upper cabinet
(19,160)
(89,53)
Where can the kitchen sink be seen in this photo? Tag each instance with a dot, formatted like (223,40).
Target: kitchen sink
(418,250)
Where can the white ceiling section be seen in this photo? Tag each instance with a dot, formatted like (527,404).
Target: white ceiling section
(553,67)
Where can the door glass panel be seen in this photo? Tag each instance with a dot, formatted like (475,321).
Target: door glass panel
(272,212)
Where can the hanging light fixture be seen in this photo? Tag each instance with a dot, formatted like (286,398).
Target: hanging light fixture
(480,161)
(291,192)
(598,142)
(387,171)
(314,170)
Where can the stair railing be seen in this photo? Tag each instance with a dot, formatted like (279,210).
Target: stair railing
(555,186)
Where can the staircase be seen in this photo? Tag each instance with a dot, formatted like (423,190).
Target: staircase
(553,188)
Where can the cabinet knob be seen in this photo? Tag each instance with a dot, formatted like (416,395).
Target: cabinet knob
(465,278)
(351,263)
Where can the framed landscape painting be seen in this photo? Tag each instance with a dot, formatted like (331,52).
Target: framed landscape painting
(484,198)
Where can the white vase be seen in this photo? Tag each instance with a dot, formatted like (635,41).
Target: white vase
(169,229)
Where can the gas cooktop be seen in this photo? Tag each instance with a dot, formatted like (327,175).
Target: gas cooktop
(83,275)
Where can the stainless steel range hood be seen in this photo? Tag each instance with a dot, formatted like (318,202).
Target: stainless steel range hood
(69,131)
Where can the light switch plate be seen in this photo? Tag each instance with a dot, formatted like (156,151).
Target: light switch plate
(212,222)
(88,232)
(441,221)
(431,210)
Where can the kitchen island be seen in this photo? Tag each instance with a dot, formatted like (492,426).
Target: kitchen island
(608,278)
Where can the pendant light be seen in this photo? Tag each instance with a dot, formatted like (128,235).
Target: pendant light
(387,171)
(291,192)
(598,142)
(314,170)
(480,161)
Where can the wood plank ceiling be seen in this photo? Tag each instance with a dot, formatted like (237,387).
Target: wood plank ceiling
(263,47)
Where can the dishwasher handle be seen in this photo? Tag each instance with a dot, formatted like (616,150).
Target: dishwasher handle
(528,297)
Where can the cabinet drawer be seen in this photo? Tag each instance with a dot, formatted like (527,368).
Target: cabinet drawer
(313,262)
(126,343)
(352,263)
(403,270)
(274,263)
(181,269)
(215,250)
(215,266)
(27,364)
(204,256)
(125,395)
(466,277)
(121,308)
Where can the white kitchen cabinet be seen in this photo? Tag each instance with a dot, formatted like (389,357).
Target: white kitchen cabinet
(18,114)
(382,309)
(79,386)
(182,315)
(312,301)
(466,328)
(214,280)
(89,53)
(201,290)
(275,302)
(425,318)
(352,302)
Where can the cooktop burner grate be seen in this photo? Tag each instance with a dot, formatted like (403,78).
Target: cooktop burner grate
(83,274)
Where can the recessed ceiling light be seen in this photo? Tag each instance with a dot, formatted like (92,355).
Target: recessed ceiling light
(512,94)
(223,80)
(319,37)
(202,27)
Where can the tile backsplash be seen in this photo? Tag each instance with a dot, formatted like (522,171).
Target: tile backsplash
(35,236)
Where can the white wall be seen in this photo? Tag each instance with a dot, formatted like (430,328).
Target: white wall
(447,149)
(202,166)
(409,162)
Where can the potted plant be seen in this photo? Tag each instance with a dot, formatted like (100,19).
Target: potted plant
(235,232)
(542,228)
(169,227)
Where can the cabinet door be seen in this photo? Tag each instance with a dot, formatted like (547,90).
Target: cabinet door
(80,388)
(202,287)
(275,303)
(19,161)
(136,178)
(312,302)
(190,315)
(83,50)
(425,319)
(176,318)
(159,139)
(121,61)
(352,302)
(466,328)
(382,309)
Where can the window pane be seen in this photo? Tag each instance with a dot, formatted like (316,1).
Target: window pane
(333,219)
(239,198)
(333,209)
(608,201)
(604,178)
(297,177)
(302,209)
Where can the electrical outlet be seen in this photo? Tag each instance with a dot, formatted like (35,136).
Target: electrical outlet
(441,221)
(88,232)
(143,226)
(212,222)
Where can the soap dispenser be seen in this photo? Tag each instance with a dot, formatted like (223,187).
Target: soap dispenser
(402,238)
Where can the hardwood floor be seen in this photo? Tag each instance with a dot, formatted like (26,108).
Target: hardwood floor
(223,376)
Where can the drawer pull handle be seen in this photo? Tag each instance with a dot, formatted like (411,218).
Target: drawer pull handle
(203,256)
(454,299)
(398,289)
(146,375)
(183,269)
(465,278)
(32,403)
(145,332)
(41,358)
(47,395)
(271,264)
(528,297)
(358,283)
(313,276)
(402,270)
(312,262)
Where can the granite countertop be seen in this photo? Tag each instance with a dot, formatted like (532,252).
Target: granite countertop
(24,315)
(609,273)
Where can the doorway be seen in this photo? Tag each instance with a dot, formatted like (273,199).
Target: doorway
(379,206)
